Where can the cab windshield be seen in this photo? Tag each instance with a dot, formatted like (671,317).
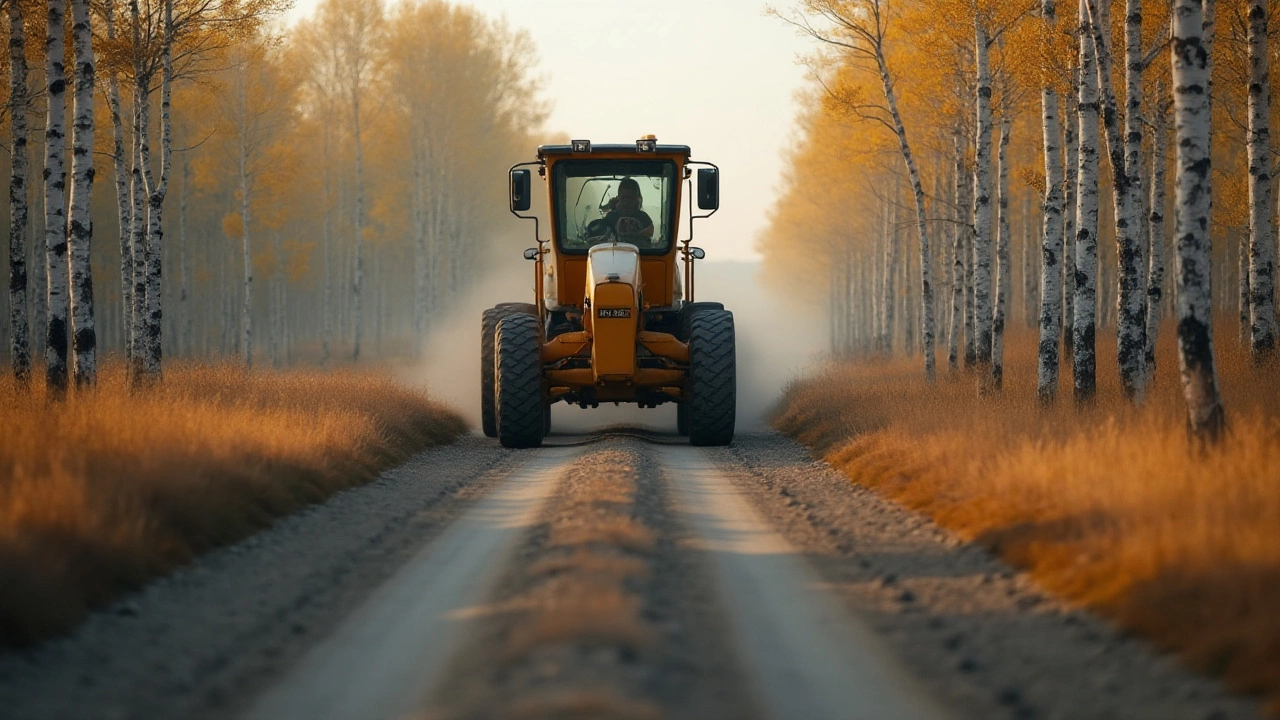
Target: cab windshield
(590,210)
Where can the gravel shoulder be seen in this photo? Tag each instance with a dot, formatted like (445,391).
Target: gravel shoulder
(980,637)
(202,641)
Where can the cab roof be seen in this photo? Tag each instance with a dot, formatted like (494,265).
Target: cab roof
(545,150)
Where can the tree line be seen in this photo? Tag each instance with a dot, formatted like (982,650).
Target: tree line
(283,193)
(984,135)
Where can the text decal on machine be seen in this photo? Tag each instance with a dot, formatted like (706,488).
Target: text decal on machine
(613,312)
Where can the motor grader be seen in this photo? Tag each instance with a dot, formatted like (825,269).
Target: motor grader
(613,317)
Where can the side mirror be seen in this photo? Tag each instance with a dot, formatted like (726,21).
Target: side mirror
(520,186)
(708,189)
(531,253)
(697,253)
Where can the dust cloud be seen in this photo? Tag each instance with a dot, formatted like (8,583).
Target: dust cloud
(776,343)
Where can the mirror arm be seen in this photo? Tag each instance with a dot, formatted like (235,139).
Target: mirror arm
(693,217)
(538,273)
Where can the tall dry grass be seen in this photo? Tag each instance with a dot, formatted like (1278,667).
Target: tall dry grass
(109,488)
(1112,507)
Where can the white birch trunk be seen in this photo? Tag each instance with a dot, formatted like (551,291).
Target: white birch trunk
(19,233)
(137,220)
(420,260)
(84,340)
(1051,248)
(1071,178)
(917,191)
(1003,266)
(246,247)
(184,267)
(1030,270)
(1262,249)
(982,213)
(326,305)
(358,284)
(1124,148)
(889,288)
(1190,60)
(156,190)
(123,200)
(1083,346)
(276,296)
(1242,287)
(55,198)
(957,257)
(1156,245)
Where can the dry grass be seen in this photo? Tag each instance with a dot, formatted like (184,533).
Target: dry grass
(108,489)
(1113,507)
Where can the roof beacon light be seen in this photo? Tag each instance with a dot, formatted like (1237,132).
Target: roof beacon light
(647,144)
(581,146)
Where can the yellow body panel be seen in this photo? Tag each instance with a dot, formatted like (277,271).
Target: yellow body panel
(613,340)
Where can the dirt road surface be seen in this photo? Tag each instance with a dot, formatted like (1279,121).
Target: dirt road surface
(618,574)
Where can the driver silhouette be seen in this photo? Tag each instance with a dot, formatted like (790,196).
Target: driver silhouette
(625,218)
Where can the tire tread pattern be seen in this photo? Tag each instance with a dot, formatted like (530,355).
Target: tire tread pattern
(712,386)
(518,388)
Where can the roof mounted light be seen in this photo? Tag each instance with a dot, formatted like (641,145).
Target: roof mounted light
(647,144)
(581,146)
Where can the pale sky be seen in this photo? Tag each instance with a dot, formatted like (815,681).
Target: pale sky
(716,75)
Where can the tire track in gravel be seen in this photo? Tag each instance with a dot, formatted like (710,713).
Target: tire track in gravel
(809,659)
(378,662)
(604,612)
(978,635)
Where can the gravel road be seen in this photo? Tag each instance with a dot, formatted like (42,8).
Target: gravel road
(620,574)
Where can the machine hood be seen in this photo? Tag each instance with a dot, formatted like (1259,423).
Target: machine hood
(613,262)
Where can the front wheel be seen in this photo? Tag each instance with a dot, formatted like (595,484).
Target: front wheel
(712,388)
(519,407)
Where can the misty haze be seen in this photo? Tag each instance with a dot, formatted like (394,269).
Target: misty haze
(383,359)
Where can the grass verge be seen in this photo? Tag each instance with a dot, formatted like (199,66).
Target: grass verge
(1112,507)
(104,491)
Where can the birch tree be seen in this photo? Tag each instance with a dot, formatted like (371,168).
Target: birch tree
(1052,236)
(1156,226)
(1084,362)
(356,28)
(860,32)
(19,99)
(124,203)
(1262,247)
(1070,208)
(80,229)
(1003,265)
(1190,64)
(55,214)
(982,215)
(959,260)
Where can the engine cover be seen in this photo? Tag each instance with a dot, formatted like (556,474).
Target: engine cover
(613,294)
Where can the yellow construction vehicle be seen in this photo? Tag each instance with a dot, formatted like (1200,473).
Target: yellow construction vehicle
(613,317)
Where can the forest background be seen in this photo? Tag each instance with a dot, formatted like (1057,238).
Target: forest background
(332,188)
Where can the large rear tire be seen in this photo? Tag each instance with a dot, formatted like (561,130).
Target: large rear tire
(689,311)
(518,387)
(712,388)
(488,330)
(682,419)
